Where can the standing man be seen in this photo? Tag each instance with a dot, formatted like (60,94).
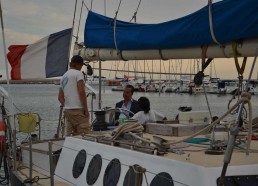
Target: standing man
(73,97)
(128,103)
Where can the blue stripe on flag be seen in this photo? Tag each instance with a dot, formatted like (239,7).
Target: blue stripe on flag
(57,53)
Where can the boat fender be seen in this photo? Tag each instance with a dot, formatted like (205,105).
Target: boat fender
(198,78)
(191,120)
(2,136)
(89,70)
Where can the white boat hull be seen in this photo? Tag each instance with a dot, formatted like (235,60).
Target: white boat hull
(182,173)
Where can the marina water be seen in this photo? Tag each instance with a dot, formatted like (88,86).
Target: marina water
(42,99)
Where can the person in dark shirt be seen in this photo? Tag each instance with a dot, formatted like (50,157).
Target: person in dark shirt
(128,103)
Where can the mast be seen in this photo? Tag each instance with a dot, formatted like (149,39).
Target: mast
(100,84)
(152,70)
(190,69)
(211,70)
(128,68)
(159,76)
(257,73)
(144,71)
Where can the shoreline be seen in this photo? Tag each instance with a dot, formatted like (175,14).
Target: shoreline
(35,81)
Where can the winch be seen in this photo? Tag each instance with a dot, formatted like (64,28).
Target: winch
(100,122)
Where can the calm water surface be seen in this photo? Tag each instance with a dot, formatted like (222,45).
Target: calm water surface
(42,98)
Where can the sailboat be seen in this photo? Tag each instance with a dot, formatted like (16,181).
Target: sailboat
(177,154)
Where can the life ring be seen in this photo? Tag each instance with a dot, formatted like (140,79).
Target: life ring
(2,136)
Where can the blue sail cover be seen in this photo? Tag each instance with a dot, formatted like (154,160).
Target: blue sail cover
(232,20)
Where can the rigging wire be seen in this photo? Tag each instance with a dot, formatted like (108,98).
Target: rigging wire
(187,65)
(115,19)
(180,66)
(85,5)
(135,13)
(91,4)
(214,68)
(105,8)
(207,101)
(79,23)
(197,78)
(75,5)
(142,73)
(164,69)
(149,69)
(110,71)
(211,24)
(173,69)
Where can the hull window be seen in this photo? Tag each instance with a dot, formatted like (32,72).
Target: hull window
(112,173)
(94,169)
(79,163)
(162,179)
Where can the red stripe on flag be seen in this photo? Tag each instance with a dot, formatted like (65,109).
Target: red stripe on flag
(14,57)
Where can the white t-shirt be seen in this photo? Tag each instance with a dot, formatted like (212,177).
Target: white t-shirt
(69,85)
(151,116)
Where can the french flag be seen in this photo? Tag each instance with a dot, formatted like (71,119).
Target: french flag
(46,58)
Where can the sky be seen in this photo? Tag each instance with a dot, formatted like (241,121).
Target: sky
(26,21)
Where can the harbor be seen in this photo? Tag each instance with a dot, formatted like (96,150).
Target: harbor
(92,97)
(31,95)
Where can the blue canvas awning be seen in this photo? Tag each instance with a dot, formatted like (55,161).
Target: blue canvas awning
(232,20)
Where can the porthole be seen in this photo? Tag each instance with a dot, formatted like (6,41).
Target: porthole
(112,173)
(162,179)
(94,169)
(133,176)
(79,163)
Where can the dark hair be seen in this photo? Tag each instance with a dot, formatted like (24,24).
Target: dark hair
(131,87)
(77,59)
(144,103)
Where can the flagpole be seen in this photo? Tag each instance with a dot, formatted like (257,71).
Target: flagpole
(70,46)
(6,63)
(13,128)
(4,46)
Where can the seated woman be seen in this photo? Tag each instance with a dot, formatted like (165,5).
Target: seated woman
(147,114)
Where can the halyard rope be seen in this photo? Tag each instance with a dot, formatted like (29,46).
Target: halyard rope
(211,23)
(135,13)
(115,19)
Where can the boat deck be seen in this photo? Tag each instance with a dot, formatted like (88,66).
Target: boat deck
(182,154)
(188,152)
(40,179)
(185,152)
(195,154)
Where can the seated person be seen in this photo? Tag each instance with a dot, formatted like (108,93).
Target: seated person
(147,114)
(128,103)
